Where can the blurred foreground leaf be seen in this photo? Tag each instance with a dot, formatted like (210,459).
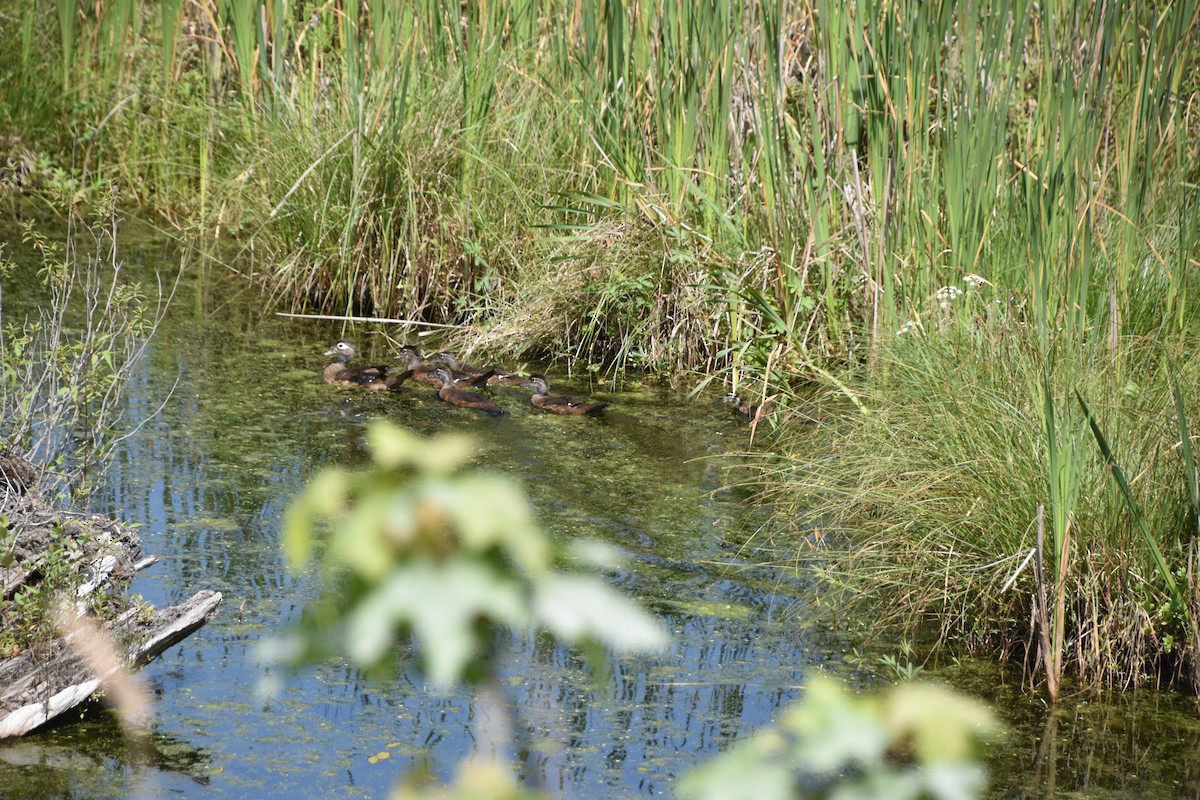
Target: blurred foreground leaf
(425,560)
(912,741)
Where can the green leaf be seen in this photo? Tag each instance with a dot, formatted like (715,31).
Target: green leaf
(1135,510)
(394,447)
(836,729)
(324,496)
(360,541)
(1185,446)
(574,607)
(508,523)
(748,772)
(938,723)
(441,604)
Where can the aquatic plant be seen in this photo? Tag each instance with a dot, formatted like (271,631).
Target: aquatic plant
(430,565)
(67,358)
(420,548)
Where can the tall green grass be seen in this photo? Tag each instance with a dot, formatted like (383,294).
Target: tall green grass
(831,165)
(1042,383)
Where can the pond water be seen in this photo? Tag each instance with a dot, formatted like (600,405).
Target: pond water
(247,421)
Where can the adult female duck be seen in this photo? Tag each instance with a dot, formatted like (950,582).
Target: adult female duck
(559,404)
(339,372)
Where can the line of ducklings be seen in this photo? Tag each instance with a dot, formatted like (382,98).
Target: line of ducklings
(450,376)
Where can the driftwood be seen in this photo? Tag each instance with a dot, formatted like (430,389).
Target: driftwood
(82,563)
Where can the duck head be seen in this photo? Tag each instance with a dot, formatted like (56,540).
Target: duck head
(447,358)
(410,354)
(539,384)
(343,349)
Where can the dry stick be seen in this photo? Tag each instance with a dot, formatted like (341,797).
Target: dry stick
(762,400)
(343,318)
(102,656)
(1060,601)
(1043,615)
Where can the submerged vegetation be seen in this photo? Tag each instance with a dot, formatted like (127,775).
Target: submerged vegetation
(431,566)
(975,222)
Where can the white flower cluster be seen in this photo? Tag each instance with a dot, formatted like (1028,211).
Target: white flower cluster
(909,327)
(948,293)
(973,281)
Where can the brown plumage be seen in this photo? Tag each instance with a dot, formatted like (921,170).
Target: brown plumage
(495,375)
(455,396)
(380,377)
(559,404)
(423,370)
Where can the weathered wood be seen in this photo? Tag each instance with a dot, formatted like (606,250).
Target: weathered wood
(27,718)
(66,681)
(176,624)
(49,676)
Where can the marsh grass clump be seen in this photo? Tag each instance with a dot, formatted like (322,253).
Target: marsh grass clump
(371,223)
(609,289)
(929,506)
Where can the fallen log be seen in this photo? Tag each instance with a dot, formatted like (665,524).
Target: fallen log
(83,563)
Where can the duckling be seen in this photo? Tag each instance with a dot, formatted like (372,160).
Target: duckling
(496,375)
(557,403)
(376,377)
(423,370)
(754,411)
(455,396)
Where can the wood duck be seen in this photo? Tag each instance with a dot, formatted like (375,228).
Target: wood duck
(380,377)
(557,403)
(455,396)
(423,370)
(754,411)
(496,375)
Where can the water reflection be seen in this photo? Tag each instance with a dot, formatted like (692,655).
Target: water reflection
(92,758)
(247,424)
(1139,746)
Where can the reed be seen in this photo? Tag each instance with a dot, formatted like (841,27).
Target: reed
(983,413)
(809,130)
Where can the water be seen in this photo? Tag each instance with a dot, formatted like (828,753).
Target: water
(247,421)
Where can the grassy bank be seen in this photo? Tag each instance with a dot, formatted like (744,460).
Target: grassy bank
(568,179)
(977,221)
